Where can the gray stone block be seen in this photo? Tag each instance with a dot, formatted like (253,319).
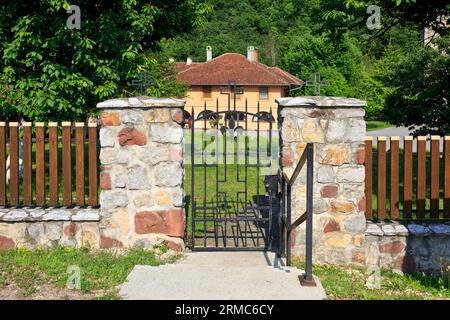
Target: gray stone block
(15,216)
(57,215)
(86,215)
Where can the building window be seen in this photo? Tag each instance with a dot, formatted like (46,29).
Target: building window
(263,93)
(206,91)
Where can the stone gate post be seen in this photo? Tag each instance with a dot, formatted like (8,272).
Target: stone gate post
(337,128)
(141,179)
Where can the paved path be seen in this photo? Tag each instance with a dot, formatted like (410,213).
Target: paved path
(220,276)
(393,131)
(400,131)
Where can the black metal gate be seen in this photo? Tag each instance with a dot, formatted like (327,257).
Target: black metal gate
(233,180)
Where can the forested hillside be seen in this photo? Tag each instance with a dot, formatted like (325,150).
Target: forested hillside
(304,36)
(51,72)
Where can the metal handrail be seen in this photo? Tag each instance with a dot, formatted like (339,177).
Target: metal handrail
(308,158)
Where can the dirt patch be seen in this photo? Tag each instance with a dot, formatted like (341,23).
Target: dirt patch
(10,291)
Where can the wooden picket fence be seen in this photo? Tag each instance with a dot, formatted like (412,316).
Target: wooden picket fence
(47,169)
(411,182)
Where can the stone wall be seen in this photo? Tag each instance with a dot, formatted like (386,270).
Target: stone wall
(336,126)
(45,227)
(408,246)
(141,177)
(141,182)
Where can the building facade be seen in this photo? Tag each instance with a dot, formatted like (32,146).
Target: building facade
(254,83)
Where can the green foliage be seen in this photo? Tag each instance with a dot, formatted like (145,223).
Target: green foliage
(349,283)
(102,270)
(49,71)
(421,91)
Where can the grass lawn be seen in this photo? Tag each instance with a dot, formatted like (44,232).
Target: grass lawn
(44,272)
(349,283)
(377,125)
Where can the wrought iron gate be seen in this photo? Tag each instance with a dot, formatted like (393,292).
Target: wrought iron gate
(232,199)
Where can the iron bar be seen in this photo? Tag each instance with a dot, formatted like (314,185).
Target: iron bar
(192,185)
(307,279)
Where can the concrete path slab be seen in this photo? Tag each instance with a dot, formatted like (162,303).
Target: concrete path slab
(220,276)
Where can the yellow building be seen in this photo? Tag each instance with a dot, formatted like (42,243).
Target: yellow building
(256,82)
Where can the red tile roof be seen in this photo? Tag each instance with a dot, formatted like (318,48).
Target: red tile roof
(234,66)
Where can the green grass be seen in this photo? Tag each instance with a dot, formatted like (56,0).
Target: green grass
(100,271)
(377,125)
(349,283)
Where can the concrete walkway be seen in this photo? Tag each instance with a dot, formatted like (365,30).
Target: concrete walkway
(393,131)
(401,132)
(220,276)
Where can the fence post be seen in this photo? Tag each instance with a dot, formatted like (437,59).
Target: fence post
(336,127)
(2,164)
(40,163)
(14,163)
(141,160)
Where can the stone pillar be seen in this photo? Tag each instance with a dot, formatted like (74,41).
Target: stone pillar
(337,128)
(141,177)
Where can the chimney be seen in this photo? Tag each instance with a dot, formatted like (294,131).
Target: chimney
(188,61)
(208,53)
(255,55)
(250,51)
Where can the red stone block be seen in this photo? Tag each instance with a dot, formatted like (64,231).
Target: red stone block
(362,204)
(175,246)
(107,243)
(6,243)
(331,226)
(105,181)
(392,247)
(169,222)
(329,191)
(70,230)
(131,136)
(360,155)
(177,116)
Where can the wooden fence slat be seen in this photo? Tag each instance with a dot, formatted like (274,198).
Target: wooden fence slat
(40,163)
(368,164)
(3,198)
(53,162)
(93,165)
(14,163)
(381,203)
(447,177)
(421,177)
(27,170)
(434,177)
(394,196)
(407,177)
(79,162)
(67,163)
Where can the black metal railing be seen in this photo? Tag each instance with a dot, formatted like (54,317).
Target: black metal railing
(286,214)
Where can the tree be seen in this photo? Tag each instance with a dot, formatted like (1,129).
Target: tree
(49,71)
(421,93)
